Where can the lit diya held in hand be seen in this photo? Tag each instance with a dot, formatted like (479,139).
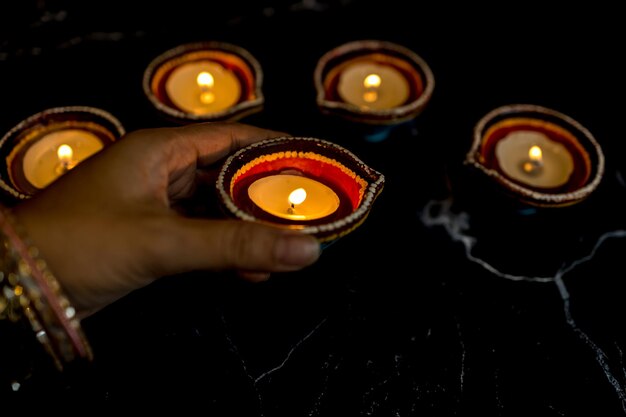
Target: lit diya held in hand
(302,183)
(539,155)
(48,144)
(205,81)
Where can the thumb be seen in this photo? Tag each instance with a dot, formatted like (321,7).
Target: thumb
(196,244)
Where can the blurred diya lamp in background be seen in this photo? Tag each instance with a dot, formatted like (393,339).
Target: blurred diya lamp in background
(537,155)
(375,83)
(301,183)
(48,144)
(205,81)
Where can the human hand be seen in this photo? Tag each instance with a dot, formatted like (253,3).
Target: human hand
(109,226)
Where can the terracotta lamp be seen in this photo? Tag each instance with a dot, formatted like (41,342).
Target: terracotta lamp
(373,82)
(302,183)
(205,81)
(539,156)
(46,145)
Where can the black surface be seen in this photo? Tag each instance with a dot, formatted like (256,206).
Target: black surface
(445,301)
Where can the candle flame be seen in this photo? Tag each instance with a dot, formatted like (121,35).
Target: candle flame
(371,84)
(65,154)
(297,196)
(534,163)
(205,80)
(372,81)
(535,154)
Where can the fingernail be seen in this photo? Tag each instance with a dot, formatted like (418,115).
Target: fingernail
(297,250)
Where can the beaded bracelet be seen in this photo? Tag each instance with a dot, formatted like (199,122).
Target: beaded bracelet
(28,288)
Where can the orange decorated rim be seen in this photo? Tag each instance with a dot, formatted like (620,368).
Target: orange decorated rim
(356,184)
(243,64)
(411,65)
(586,152)
(18,139)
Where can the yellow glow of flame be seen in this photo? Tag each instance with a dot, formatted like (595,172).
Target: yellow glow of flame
(205,80)
(65,153)
(297,196)
(207,97)
(535,154)
(370,96)
(371,84)
(372,81)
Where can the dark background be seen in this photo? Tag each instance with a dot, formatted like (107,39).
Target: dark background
(447,300)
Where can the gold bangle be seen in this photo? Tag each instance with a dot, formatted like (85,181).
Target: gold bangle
(29,287)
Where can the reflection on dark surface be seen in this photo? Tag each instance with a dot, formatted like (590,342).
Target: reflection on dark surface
(448,300)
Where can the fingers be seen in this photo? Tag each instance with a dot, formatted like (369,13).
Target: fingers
(198,144)
(214,141)
(233,244)
(166,159)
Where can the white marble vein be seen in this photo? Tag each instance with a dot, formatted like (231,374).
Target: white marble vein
(326,368)
(291,352)
(439,213)
(233,348)
(463,353)
(369,400)
(496,387)
(600,356)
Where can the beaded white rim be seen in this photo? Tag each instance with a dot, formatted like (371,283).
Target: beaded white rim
(362,210)
(540,197)
(241,107)
(119,129)
(367,46)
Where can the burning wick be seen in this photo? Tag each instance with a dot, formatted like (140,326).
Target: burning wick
(65,155)
(371,83)
(535,160)
(206,81)
(297,196)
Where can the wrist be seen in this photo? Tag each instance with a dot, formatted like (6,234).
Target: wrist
(30,290)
